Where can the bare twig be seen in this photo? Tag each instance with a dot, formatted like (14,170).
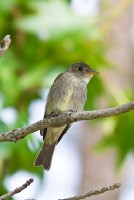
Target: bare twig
(64,118)
(4,44)
(17,190)
(96,192)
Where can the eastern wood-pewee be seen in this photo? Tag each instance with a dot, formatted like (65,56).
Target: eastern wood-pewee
(68,93)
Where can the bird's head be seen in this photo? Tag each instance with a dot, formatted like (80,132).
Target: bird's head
(82,71)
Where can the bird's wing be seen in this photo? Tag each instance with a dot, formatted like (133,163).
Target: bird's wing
(58,101)
(63,133)
(59,96)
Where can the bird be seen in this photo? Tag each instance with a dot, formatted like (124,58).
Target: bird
(67,93)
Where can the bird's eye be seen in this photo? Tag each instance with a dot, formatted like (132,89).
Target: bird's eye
(80,68)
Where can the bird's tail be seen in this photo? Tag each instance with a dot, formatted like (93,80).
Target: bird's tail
(45,155)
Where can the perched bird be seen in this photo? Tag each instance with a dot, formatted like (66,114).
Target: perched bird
(68,93)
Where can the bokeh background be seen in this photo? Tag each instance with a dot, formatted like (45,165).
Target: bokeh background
(48,36)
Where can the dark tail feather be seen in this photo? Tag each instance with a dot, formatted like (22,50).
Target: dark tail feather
(45,155)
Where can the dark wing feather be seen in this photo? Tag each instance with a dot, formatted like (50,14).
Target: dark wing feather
(43,131)
(63,133)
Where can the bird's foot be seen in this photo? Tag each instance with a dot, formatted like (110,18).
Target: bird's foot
(60,113)
(56,114)
(72,111)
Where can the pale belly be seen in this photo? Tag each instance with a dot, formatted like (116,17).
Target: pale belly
(66,97)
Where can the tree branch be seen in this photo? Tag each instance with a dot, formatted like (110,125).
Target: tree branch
(17,190)
(4,44)
(96,192)
(64,118)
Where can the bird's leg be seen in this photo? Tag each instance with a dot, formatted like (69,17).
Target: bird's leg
(72,111)
(59,113)
(56,114)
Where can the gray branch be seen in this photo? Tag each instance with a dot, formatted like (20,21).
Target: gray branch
(4,44)
(17,190)
(96,192)
(65,118)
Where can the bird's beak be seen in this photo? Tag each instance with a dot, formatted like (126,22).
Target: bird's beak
(93,72)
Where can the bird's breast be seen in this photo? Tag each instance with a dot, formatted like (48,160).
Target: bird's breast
(66,94)
(66,99)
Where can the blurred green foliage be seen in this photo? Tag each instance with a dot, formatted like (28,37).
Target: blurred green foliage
(47,36)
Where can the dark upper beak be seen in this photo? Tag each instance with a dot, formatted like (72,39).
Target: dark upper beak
(93,72)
